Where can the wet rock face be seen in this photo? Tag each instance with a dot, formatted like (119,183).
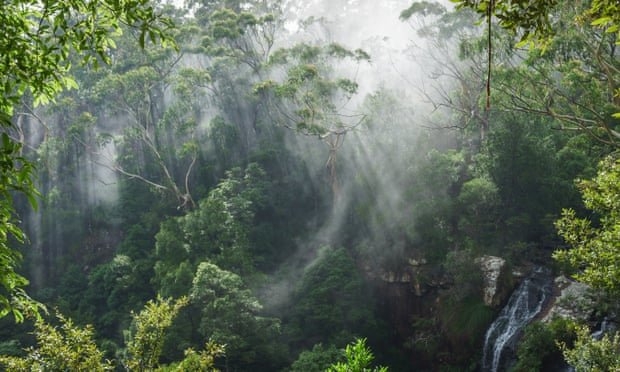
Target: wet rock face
(573,301)
(497,280)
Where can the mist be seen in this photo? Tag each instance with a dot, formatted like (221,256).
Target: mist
(304,186)
(169,159)
(378,154)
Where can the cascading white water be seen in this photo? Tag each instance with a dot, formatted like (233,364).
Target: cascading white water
(524,304)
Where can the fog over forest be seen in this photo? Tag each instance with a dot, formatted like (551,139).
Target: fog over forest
(343,185)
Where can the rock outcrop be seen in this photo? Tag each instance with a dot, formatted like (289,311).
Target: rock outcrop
(571,302)
(497,280)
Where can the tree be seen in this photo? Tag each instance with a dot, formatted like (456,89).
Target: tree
(533,19)
(594,252)
(589,355)
(146,338)
(159,101)
(479,203)
(572,81)
(331,301)
(230,315)
(69,348)
(218,230)
(38,61)
(519,158)
(202,361)
(310,99)
(541,24)
(595,248)
(539,348)
(534,94)
(459,76)
(232,44)
(317,360)
(36,64)
(358,359)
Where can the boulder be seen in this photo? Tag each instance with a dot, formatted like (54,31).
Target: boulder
(497,280)
(572,301)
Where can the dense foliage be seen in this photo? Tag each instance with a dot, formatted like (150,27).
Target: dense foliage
(241,188)
(594,355)
(38,46)
(595,249)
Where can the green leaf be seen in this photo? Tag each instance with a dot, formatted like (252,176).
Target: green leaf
(601,21)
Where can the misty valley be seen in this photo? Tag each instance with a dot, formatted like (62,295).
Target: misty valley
(323,185)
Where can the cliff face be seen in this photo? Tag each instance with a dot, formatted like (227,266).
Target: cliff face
(435,328)
(409,303)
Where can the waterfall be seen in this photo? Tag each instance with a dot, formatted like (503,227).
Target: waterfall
(524,304)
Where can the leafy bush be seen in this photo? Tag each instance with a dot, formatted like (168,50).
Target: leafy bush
(358,359)
(539,348)
(591,355)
